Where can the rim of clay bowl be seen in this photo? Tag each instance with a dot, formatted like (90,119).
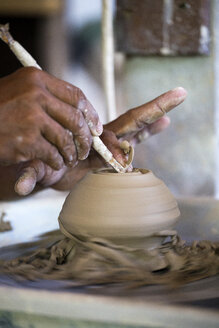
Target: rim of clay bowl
(136,171)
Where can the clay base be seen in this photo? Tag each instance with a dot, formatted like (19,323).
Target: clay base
(90,261)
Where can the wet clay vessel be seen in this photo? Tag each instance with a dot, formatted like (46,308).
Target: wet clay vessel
(125,208)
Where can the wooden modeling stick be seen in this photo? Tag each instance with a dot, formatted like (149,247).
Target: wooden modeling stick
(27,60)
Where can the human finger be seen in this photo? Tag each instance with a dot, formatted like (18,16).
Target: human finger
(159,125)
(26,182)
(74,96)
(150,130)
(113,144)
(136,118)
(36,171)
(48,154)
(63,140)
(72,119)
(39,148)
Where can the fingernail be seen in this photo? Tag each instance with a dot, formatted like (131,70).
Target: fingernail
(70,133)
(181,94)
(180,89)
(80,151)
(96,130)
(143,136)
(82,103)
(70,158)
(58,166)
(99,128)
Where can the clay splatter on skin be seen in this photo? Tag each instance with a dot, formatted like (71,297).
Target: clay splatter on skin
(27,60)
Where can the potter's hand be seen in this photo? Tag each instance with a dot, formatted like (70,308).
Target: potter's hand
(44,118)
(142,121)
(139,123)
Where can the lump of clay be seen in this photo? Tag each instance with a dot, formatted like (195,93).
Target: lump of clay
(4,225)
(129,209)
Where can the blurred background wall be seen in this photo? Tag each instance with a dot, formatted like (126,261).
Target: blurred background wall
(40,26)
(184,155)
(64,37)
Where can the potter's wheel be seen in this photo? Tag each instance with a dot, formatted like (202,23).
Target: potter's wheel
(203,293)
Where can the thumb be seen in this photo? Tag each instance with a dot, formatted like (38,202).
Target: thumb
(33,172)
(28,176)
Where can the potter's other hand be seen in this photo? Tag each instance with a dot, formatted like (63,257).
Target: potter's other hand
(26,176)
(44,118)
(139,123)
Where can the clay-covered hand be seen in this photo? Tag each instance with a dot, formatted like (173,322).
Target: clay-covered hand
(141,122)
(133,126)
(44,118)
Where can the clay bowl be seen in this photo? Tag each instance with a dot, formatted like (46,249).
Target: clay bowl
(126,208)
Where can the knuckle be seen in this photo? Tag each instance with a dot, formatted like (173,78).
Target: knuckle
(32,73)
(132,117)
(86,141)
(36,93)
(76,120)
(159,107)
(25,141)
(28,108)
(31,99)
(34,118)
(24,146)
(70,89)
(79,119)
(29,74)
(53,156)
(21,158)
(24,154)
(83,147)
(81,100)
(75,95)
(91,116)
(65,138)
(49,155)
(95,117)
(80,94)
